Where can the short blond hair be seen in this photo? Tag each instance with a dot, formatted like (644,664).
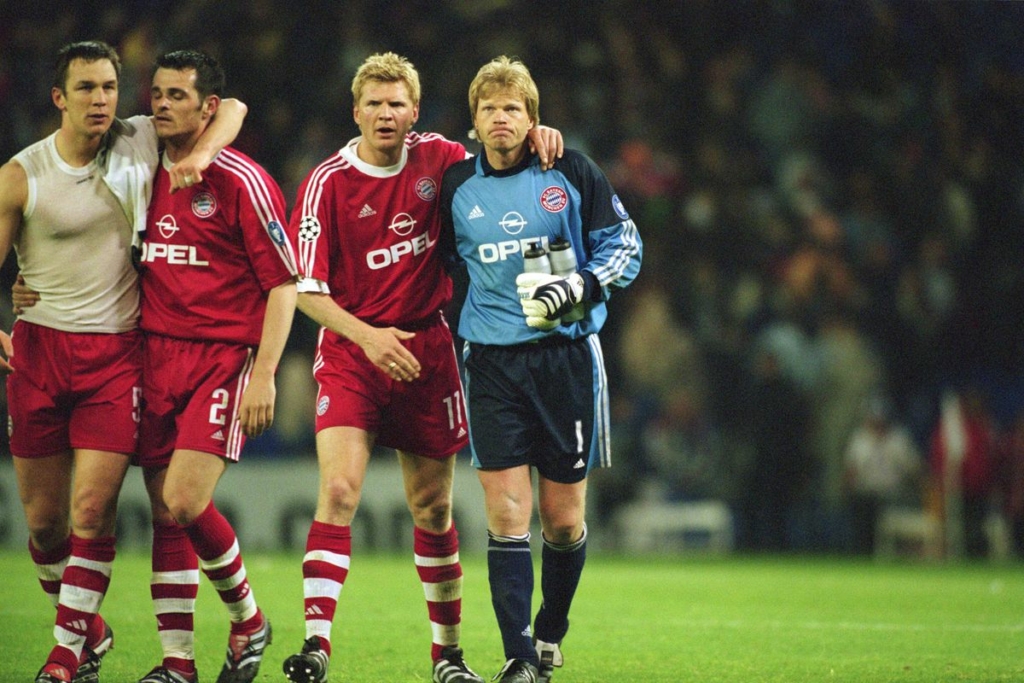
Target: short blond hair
(502,74)
(387,67)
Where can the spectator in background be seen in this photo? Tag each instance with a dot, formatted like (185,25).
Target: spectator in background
(1011,479)
(962,458)
(882,467)
(778,424)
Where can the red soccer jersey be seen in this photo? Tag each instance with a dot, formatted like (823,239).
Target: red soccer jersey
(370,233)
(212,251)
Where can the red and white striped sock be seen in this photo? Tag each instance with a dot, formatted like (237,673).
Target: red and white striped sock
(50,566)
(324,570)
(173,587)
(221,560)
(437,562)
(83,586)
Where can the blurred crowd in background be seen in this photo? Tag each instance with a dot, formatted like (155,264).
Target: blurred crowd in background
(831,196)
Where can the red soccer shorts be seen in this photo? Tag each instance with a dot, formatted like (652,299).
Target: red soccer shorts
(191,394)
(73,390)
(426,417)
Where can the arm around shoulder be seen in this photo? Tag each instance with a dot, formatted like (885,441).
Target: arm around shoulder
(222,131)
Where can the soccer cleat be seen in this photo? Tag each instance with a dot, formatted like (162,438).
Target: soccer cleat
(245,652)
(450,667)
(550,656)
(162,674)
(92,658)
(310,665)
(53,673)
(517,671)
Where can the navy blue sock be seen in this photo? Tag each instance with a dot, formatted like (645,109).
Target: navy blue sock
(510,571)
(561,567)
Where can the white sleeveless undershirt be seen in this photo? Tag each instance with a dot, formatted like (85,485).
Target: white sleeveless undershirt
(74,246)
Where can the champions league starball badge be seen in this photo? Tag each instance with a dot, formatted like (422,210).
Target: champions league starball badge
(309,228)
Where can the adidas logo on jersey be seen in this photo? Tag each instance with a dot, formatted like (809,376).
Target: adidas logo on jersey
(366,211)
(579,464)
(475,213)
(462,432)
(217,435)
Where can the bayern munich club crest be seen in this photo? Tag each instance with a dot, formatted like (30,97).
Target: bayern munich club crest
(426,189)
(204,204)
(554,199)
(322,405)
(309,228)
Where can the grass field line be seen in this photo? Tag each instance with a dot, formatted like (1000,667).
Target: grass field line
(818,625)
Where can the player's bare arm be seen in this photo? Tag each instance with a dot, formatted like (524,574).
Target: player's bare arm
(547,143)
(13,195)
(256,410)
(222,131)
(382,346)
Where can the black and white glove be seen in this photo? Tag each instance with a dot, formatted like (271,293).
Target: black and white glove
(548,297)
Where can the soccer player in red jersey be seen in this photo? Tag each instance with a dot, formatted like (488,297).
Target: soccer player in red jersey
(366,226)
(218,296)
(70,205)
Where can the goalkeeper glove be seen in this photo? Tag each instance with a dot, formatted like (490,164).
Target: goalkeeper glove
(552,296)
(525,286)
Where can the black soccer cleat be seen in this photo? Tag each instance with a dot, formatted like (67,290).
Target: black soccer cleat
(162,674)
(517,671)
(245,653)
(550,656)
(92,658)
(310,665)
(450,667)
(53,673)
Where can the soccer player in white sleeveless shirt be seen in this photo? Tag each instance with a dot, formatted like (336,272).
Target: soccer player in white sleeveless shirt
(69,206)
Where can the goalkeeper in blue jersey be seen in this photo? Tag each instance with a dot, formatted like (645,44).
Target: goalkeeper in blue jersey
(536,387)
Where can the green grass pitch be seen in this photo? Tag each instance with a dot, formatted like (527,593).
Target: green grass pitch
(690,618)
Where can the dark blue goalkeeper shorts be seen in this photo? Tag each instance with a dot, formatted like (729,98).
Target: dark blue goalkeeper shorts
(543,404)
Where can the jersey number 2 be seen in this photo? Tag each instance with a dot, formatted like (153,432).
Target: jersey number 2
(219,408)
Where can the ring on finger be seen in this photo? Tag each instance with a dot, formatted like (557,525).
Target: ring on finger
(392,365)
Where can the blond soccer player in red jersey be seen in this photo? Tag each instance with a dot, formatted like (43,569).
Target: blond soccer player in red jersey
(366,224)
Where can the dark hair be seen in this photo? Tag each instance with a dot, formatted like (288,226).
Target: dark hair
(88,50)
(210,77)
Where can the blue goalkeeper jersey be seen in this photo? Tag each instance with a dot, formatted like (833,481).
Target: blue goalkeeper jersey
(490,217)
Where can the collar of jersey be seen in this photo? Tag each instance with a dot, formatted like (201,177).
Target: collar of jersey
(487,170)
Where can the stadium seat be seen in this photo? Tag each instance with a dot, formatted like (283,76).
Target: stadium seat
(658,526)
